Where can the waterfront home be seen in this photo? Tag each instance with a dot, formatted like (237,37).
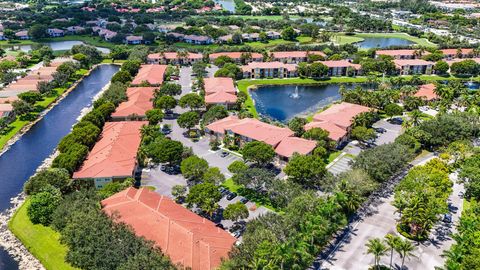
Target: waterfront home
(258,70)
(72,30)
(273,35)
(198,40)
(186,238)
(294,56)
(251,37)
(23,35)
(237,56)
(225,39)
(134,40)
(140,100)
(402,54)
(413,66)
(342,68)
(427,92)
(151,74)
(114,156)
(55,32)
(449,54)
(106,34)
(220,91)
(6,111)
(174,58)
(337,120)
(291,145)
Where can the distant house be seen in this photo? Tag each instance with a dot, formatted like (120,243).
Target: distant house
(176,36)
(106,34)
(337,120)
(450,54)
(114,156)
(55,32)
(251,37)
(237,56)
(234,27)
(220,91)
(225,39)
(188,239)
(174,58)
(140,100)
(402,54)
(427,92)
(165,28)
(134,40)
(198,40)
(152,74)
(413,66)
(342,68)
(72,30)
(290,57)
(23,35)
(258,70)
(273,35)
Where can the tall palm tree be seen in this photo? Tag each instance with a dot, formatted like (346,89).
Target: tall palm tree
(392,242)
(405,249)
(376,247)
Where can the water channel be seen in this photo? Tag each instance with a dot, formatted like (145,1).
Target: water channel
(383,42)
(19,162)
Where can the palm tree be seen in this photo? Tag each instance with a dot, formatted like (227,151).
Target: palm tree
(376,247)
(405,249)
(415,117)
(392,242)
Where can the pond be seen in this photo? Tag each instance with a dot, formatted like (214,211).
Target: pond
(21,161)
(283,102)
(63,46)
(227,5)
(383,42)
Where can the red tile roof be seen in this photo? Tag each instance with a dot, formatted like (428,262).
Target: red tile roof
(115,154)
(140,100)
(454,51)
(234,55)
(173,55)
(8,100)
(265,65)
(185,237)
(340,63)
(220,125)
(337,119)
(411,62)
(260,131)
(290,145)
(427,92)
(153,74)
(296,54)
(407,52)
(220,90)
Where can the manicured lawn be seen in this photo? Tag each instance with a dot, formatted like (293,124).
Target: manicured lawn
(333,156)
(16,125)
(230,185)
(110,61)
(251,195)
(342,39)
(43,242)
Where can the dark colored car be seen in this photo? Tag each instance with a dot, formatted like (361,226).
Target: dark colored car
(380,130)
(396,121)
(244,200)
(447,218)
(224,154)
(219,225)
(231,196)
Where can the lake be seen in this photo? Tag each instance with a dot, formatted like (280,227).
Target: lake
(382,42)
(283,102)
(227,4)
(63,46)
(21,161)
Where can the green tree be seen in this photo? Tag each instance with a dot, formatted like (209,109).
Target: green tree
(363,134)
(188,120)
(214,175)
(205,196)
(307,171)
(192,101)
(122,76)
(42,205)
(30,97)
(296,125)
(193,168)
(154,116)
(235,211)
(132,66)
(258,152)
(165,150)
(38,31)
(57,178)
(237,166)
(222,60)
(289,33)
(405,250)
(166,103)
(170,89)
(377,249)
(393,109)
(214,113)
(179,191)
(441,67)
(392,242)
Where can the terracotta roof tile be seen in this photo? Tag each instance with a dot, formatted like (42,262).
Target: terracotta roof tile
(115,154)
(296,54)
(220,90)
(185,237)
(234,55)
(263,65)
(153,74)
(140,100)
(427,92)
(290,145)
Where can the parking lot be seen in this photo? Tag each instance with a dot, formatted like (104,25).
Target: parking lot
(392,131)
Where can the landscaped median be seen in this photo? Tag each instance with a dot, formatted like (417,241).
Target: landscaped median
(43,242)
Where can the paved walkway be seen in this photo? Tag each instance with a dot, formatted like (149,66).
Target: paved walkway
(340,164)
(351,252)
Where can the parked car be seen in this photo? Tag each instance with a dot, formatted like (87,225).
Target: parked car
(396,121)
(244,200)
(231,196)
(447,218)
(219,225)
(163,167)
(380,130)
(224,154)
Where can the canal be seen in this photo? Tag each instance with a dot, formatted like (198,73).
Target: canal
(20,162)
